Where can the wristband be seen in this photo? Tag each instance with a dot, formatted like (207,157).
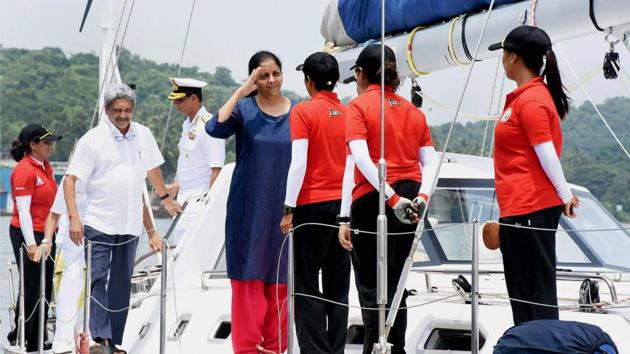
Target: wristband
(288,210)
(343,220)
(165,196)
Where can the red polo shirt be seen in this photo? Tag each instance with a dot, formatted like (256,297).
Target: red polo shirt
(406,131)
(529,118)
(29,177)
(322,121)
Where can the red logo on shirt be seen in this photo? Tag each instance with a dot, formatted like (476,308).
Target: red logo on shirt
(333,113)
(393,102)
(506,116)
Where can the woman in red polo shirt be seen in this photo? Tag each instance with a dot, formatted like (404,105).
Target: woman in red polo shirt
(33,188)
(530,185)
(410,158)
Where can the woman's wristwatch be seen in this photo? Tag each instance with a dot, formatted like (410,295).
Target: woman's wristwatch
(46,242)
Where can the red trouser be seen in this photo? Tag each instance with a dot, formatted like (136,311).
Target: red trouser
(255,306)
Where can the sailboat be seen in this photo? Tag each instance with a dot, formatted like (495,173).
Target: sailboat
(593,266)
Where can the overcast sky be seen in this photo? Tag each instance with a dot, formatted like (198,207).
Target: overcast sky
(227,33)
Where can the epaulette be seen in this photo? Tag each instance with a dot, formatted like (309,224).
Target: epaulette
(205,117)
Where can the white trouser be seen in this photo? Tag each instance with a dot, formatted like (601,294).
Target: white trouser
(70,287)
(189,215)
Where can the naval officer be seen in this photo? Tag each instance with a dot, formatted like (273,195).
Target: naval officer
(200,155)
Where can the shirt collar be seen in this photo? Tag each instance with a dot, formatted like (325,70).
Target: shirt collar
(201,112)
(118,136)
(538,80)
(377,87)
(33,161)
(328,95)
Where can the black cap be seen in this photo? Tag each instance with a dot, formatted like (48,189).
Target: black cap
(369,60)
(36,132)
(321,67)
(525,40)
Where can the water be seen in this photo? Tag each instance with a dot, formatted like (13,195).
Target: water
(6,256)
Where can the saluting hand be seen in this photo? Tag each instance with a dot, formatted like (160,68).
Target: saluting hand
(76,230)
(250,85)
(286,224)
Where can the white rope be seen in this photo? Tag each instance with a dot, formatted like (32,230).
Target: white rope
(593,103)
(179,68)
(124,308)
(491,105)
(376,308)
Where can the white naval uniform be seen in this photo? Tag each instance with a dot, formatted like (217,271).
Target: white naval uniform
(72,280)
(198,154)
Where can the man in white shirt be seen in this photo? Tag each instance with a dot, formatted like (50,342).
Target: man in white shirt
(114,159)
(201,156)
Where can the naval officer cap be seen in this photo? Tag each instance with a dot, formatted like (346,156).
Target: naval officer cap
(183,87)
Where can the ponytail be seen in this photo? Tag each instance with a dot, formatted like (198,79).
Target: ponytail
(391,76)
(549,68)
(554,83)
(17,150)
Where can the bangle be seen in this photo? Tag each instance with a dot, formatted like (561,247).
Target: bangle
(150,231)
(46,242)
(165,196)
(344,223)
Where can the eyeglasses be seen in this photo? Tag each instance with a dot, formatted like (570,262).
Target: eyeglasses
(127,137)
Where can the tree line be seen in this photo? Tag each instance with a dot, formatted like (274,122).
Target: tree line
(59,91)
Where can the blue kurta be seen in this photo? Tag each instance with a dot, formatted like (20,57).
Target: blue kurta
(254,207)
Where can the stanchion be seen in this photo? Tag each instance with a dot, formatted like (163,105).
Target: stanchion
(290,298)
(42,300)
(474,293)
(163,298)
(21,340)
(88,289)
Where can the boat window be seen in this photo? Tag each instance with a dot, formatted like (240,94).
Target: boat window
(612,246)
(567,251)
(454,210)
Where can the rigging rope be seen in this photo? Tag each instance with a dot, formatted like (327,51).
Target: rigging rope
(494,85)
(179,68)
(593,103)
(111,54)
(412,65)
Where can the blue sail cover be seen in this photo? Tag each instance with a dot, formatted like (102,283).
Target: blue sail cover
(553,336)
(361,19)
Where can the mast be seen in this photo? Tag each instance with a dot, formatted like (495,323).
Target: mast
(108,63)
(561,19)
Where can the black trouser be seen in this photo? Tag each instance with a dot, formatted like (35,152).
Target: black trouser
(321,326)
(31,289)
(363,216)
(529,263)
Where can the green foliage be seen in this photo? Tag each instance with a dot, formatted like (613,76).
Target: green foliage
(590,158)
(59,91)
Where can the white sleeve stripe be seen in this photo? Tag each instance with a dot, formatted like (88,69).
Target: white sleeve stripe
(23,205)
(429,162)
(297,170)
(550,163)
(348,185)
(361,156)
